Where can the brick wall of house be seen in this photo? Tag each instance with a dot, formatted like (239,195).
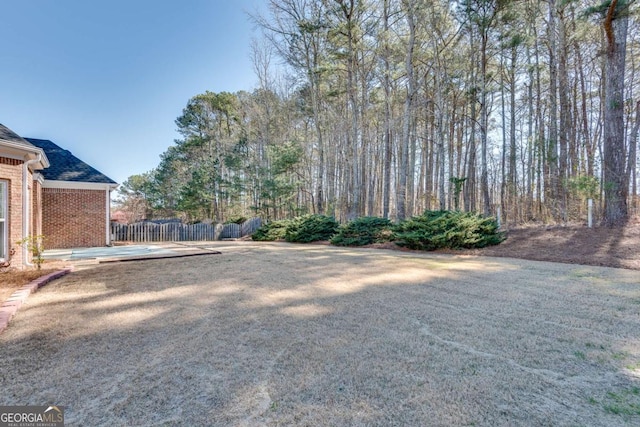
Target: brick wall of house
(73,218)
(11,172)
(36,208)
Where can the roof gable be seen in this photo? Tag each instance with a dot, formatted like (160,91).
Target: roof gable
(8,135)
(64,166)
(14,145)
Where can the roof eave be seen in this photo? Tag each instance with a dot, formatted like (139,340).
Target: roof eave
(79,185)
(28,153)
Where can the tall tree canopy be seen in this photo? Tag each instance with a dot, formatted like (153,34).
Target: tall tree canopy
(390,107)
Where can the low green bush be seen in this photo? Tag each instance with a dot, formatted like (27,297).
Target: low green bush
(433,215)
(236,220)
(274,230)
(429,231)
(447,229)
(311,228)
(363,231)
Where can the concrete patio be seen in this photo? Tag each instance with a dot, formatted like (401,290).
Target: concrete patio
(130,252)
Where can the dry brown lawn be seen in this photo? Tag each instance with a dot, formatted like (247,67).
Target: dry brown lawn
(278,334)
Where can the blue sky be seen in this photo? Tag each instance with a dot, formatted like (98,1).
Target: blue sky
(106,79)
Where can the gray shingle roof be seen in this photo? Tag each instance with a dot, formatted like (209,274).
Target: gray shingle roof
(67,167)
(7,134)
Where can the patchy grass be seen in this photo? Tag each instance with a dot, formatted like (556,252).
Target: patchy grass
(580,355)
(280,334)
(625,402)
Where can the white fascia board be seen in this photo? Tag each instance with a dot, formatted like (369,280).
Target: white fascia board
(73,185)
(21,152)
(11,155)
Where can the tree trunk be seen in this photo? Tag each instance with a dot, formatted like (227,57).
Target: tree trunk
(531,170)
(586,132)
(551,184)
(470,183)
(386,180)
(503,157)
(615,185)
(403,170)
(631,165)
(513,174)
(484,125)
(565,118)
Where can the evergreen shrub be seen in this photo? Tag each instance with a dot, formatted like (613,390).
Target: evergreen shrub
(446,229)
(237,220)
(274,230)
(311,228)
(363,231)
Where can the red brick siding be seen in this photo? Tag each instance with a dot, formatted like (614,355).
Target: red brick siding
(73,218)
(11,172)
(36,208)
(10,162)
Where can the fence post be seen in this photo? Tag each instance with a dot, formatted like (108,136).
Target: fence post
(590,213)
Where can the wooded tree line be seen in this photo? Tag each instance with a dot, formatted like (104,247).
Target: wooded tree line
(392,107)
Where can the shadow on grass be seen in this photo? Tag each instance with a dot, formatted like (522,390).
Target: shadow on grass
(289,334)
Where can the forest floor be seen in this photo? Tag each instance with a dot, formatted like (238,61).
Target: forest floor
(285,334)
(617,247)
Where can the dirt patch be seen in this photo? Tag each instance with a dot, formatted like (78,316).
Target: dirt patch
(12,280)
(279,334)
(617,247)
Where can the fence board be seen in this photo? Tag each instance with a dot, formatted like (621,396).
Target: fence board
(174,231)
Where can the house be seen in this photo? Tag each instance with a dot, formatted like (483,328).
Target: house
(46,190)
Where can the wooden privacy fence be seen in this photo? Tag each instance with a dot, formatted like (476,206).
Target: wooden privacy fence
(178,232)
